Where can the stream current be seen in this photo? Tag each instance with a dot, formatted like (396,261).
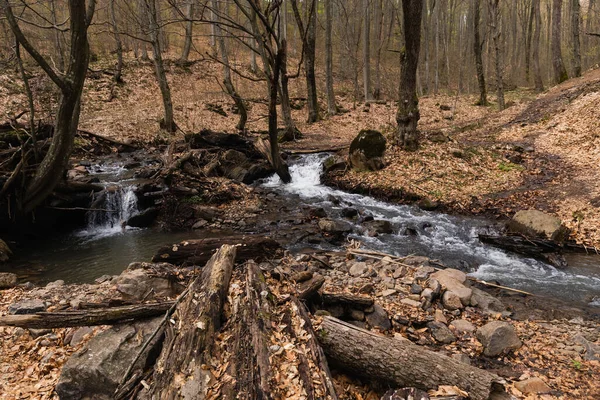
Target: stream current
(107,247)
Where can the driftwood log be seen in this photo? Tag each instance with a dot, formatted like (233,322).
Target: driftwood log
(98,316)
(180,369)
(400,362)
(199,251)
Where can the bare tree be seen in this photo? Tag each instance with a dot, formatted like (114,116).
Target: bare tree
(560,72)
(367,49)
(331,106)
(575,21)
(535,55)
(478,51)
(119,45)
(70,84)
(408,115)
(496,32)
(189,28)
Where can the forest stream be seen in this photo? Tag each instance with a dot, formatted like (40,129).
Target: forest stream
(105,247)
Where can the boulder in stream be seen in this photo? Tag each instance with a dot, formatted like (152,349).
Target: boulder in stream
(334,227)
(534,223)
(367,151)
(378,226)
(143,219)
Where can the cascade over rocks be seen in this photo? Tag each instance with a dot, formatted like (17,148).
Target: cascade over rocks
(367,151)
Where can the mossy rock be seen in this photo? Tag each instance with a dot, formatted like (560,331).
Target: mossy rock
(367,151)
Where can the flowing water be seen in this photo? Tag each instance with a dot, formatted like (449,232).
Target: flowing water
(451,239)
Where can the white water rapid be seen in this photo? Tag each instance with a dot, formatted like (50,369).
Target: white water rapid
(120,203)
(451,239)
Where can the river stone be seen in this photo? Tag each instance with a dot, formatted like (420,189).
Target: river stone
(95,371)
(498,337)
(487,303)
(333,226)
(452,280)
(334,163)
(379,226)
(27,307)
(358,269)
(143,219)
(7,280)
(440,332)
(135,283)
(533,386)
(538,224)
(5,251)
(461,325)
(378,318)
(348,212)
(367,151)
(451,301)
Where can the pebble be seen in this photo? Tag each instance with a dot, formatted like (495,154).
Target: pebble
(388,292)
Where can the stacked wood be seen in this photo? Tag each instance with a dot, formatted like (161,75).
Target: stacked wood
(399,362)
(199,251)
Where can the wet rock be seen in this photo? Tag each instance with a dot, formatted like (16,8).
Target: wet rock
(334,227)
(367,151)
(334,163)
(143,219)
(378,318)
(536,223)
(358,269)
(498,337)
(201,223)
(428,204)
(135,283)
(379,226)
(348,212)
(7,280)
(5,251)
(533,386)
(95,372)
(27,307)
(462,326)
(317,213)
(487,303)
(410,231)
(441,332)
(451,301)
(334,200)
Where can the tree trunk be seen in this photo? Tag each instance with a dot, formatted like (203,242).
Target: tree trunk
(239,103)
(478,50)
(168,121)
(399,362)
(331,106)
(528,40)
(190,343)
(575,21)
(377,44)
(408,115)
(60,56)
(366,50)
(537,72)
(309,62)
(101,316)
(280,167)
(499,66)
(189,27)
(119,45)
(560,72)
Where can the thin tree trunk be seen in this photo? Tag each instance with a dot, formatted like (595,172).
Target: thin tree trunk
(119,49)
(496,33)
(29,95)
(367,50)
(478,50)
(189,27)
(309,63)
(408,115)
(560,72)
(528,41)
(60,57)
(575,21)
(377,44)
(537,73)
(331,106)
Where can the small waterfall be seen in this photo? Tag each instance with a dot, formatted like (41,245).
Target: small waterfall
(117,204)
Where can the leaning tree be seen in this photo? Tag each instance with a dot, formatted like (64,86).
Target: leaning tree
(70,85)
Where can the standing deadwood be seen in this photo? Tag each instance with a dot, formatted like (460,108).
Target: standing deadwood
(50,171)
(494,9)
(560,72)
(575,21)
(408,115)
(478,51)
(366,50)
(190,342)
(535,55)
(227,81)
(189,27)
(154,32)
(399,362)
(119,46)
(331,106)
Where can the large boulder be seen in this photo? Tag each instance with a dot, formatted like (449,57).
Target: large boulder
(367,151)
(334,163)
(334,227)
(498,337)
(5,252)
(378,226)
(534,223)
(7,280)
(27,307)
(95,371)
(137,283)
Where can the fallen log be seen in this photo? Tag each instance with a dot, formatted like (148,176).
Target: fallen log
(98,316)
(400,363)
(107,139)
(347,300)
(199,251)
(190,338)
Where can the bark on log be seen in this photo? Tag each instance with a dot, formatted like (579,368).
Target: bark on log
(197,252)
(306,290)
(99,316)
(400,362)
(347,300)
(180,371)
